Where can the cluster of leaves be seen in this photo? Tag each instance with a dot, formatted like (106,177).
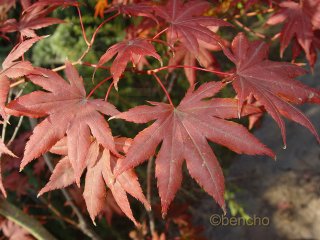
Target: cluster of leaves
(74,124)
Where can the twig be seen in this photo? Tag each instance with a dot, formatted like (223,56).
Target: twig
(82,27)
(15,215)
(98,85)
(16,130)
(149,195)
(184,66)
(241,25)
(163,88)
(57,212)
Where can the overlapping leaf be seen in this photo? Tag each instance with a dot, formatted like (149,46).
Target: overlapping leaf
(187,24)
(99,163)
(184,131)
(33,18)
(300,19)
(130,50)
(271,83)
(70,112)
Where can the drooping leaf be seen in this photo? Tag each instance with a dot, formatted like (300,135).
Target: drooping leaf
(99,163)
(271,83)
(184,131)
(131,50)
(70,112)
(32,18)
(300,19)
(187,24)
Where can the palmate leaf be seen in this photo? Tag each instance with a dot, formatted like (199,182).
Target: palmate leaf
(131,50)
(184,131)
(70,112)
(187,24)
(271,83)
(33,18)
(99,163)
(300,19)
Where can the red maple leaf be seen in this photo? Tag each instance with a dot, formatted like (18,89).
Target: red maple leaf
(70,112)
(184,131)
(271,83)
(99,163)
(130,50)
(33,18)
(300,19)
(187,24)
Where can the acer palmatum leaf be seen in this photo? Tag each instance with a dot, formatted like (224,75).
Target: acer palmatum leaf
(130,50)
(11,68)
(99,163)
(300,19)
(184,131)
(271,83)
(187,24)
(70,112)
(33,18)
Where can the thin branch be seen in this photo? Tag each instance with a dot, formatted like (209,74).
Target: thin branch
(82,27)
(101,25)
(163,88)
(98,85)
(17,83)
(241,25)
(108,92)
(159,33)
(57,212)
(149,195)
(192,67)
(25,221)
(16,130)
